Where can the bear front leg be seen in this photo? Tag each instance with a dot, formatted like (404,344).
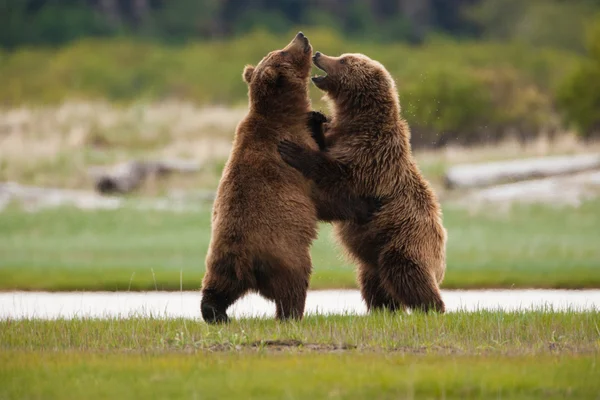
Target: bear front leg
(314,165)
(345,207)
(335,202)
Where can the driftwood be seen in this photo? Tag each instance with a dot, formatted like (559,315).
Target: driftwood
(482,175)
(126,177)
(571,189)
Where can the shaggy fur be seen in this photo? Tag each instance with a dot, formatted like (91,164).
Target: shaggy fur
(264,216)
(401,251)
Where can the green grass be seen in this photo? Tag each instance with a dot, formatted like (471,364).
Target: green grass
(314,376)
(458,355)
(465,333)
(127,249)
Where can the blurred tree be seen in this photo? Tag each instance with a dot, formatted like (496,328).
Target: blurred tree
(39,22)
(579,96)
(556,23)
(53,22)
(178,20)
(271,20)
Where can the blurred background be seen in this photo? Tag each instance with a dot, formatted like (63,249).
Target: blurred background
(127,109)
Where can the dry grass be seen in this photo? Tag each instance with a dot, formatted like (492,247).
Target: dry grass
(54,146)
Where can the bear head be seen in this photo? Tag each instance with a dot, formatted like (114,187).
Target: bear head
(280,80)
(354,82)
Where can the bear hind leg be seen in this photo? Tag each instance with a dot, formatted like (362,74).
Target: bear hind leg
(286,286)
(410,283)
(373,292)
(220,289)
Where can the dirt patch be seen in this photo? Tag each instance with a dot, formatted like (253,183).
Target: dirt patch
(297,346)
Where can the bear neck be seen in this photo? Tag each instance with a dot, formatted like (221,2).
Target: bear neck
(281,111)
(293,103)
(381,116)
(367,106)
(377,120)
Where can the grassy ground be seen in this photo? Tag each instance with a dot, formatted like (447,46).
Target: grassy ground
(67,249)
(315,376)
(459,355)
(464,333)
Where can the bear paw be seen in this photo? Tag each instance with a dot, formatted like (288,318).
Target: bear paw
(292,153)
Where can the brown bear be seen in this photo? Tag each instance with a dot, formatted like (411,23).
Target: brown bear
(264,215)
(367,152)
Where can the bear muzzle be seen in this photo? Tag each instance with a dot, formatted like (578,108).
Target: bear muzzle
(300,42)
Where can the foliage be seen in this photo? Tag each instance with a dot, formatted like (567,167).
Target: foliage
(56,22)
(579,95)
(452,92)
(445,105)
(534,22)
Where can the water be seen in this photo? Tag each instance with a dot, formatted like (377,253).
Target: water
(18,305)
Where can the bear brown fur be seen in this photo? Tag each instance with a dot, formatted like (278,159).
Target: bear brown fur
(264,216)
(401,251)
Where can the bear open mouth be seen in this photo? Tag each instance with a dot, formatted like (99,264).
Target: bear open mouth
(319,78)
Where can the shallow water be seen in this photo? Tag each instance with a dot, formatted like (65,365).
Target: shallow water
(17,305)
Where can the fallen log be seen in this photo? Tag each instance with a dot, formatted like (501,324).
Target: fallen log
(572,190)
(481,175)
(126,177)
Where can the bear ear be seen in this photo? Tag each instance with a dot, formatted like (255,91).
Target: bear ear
(248,72)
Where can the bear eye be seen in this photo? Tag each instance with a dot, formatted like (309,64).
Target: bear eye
(283,53)
(343,61)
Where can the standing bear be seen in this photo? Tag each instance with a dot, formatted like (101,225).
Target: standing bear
(264,216)
(401,251)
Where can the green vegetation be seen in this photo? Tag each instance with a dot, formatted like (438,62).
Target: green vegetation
(534,22)
(478,333)
(128,249)
(579,95)
(483,69)
(457,355)
(480,92)
(54,22)
(315,376)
